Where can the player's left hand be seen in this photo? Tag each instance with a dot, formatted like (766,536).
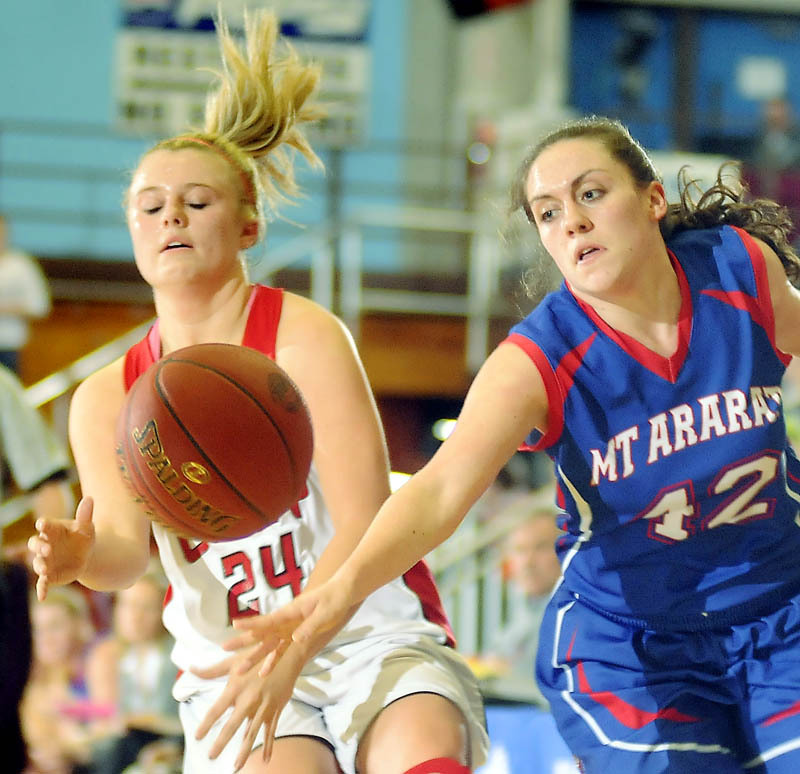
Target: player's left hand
(253,698)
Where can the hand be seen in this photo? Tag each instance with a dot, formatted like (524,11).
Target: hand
(254,698)
(312,617)
(61,548)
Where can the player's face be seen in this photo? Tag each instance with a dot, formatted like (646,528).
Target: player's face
(593,219)
(186,219)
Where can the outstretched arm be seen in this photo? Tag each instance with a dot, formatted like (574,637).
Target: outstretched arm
(506,400)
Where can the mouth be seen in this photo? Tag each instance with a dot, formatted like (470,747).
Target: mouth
(174,245)
(585,253)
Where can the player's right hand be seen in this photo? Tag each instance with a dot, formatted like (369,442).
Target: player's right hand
(61,548)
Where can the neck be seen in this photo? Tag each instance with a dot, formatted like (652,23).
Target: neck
(647,306)
(194,317)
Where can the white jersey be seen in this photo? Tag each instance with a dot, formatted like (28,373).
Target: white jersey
(213,583)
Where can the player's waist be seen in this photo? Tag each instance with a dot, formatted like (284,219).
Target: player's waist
(681,618)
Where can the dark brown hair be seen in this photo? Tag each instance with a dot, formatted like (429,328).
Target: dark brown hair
(725,202)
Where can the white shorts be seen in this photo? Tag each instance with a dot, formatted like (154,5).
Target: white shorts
(337,702)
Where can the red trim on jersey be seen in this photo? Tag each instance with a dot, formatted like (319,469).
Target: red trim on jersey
(759,308)
(555,395)
(139,358)
(419,579)
(439,766)
(667,368)
(261,331)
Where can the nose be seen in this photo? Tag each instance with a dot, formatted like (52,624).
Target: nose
(576,221)
(174,214)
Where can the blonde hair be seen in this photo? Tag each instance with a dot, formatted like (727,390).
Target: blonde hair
(254,119)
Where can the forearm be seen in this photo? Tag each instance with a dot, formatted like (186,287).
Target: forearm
(115,562)
(412,522)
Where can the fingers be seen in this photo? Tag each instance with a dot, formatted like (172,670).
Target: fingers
(40,550)
(41,587)
(219,669)
(238,716)
(272,658)
(247,743)
(244,640)
(314,624)
(265,628)
(269,737)
(213,715)
(268,664)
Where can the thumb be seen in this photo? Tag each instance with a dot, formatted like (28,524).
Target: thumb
(83,514)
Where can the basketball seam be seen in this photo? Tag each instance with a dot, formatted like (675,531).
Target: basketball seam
(150,495)
(190,436)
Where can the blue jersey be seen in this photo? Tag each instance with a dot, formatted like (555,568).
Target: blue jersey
(675,473)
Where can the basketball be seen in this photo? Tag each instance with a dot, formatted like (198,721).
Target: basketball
(216,441)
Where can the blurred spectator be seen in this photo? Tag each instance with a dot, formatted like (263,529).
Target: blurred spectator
(532,568)
(24,295)
(778,147)
(31,455)
(57,715)
(32,459)
(773,169)
(15,657)
(131,671)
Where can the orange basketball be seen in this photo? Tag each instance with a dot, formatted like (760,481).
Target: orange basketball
(216,440)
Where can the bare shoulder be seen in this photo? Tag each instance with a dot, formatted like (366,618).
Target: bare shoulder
(304,314)
(104,381)
(308,324)
(100,395)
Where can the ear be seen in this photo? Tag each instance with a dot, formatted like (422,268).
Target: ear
(657,200)
(249,234)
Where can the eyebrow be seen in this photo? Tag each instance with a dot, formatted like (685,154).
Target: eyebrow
(183,187)
(573,185)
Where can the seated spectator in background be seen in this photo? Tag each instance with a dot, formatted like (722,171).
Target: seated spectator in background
(24,296)
(57,716)
(131,671)
(531,566)
(32,459)
(15,657)
(773,169)
(31,455)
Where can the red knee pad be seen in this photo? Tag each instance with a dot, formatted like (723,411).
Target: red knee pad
(439,766)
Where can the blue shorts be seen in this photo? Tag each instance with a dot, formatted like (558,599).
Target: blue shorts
(637,701)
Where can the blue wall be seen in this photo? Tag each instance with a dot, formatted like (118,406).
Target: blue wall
(58,60)
(723,38)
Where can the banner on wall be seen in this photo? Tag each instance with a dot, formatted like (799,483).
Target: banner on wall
(165,49)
